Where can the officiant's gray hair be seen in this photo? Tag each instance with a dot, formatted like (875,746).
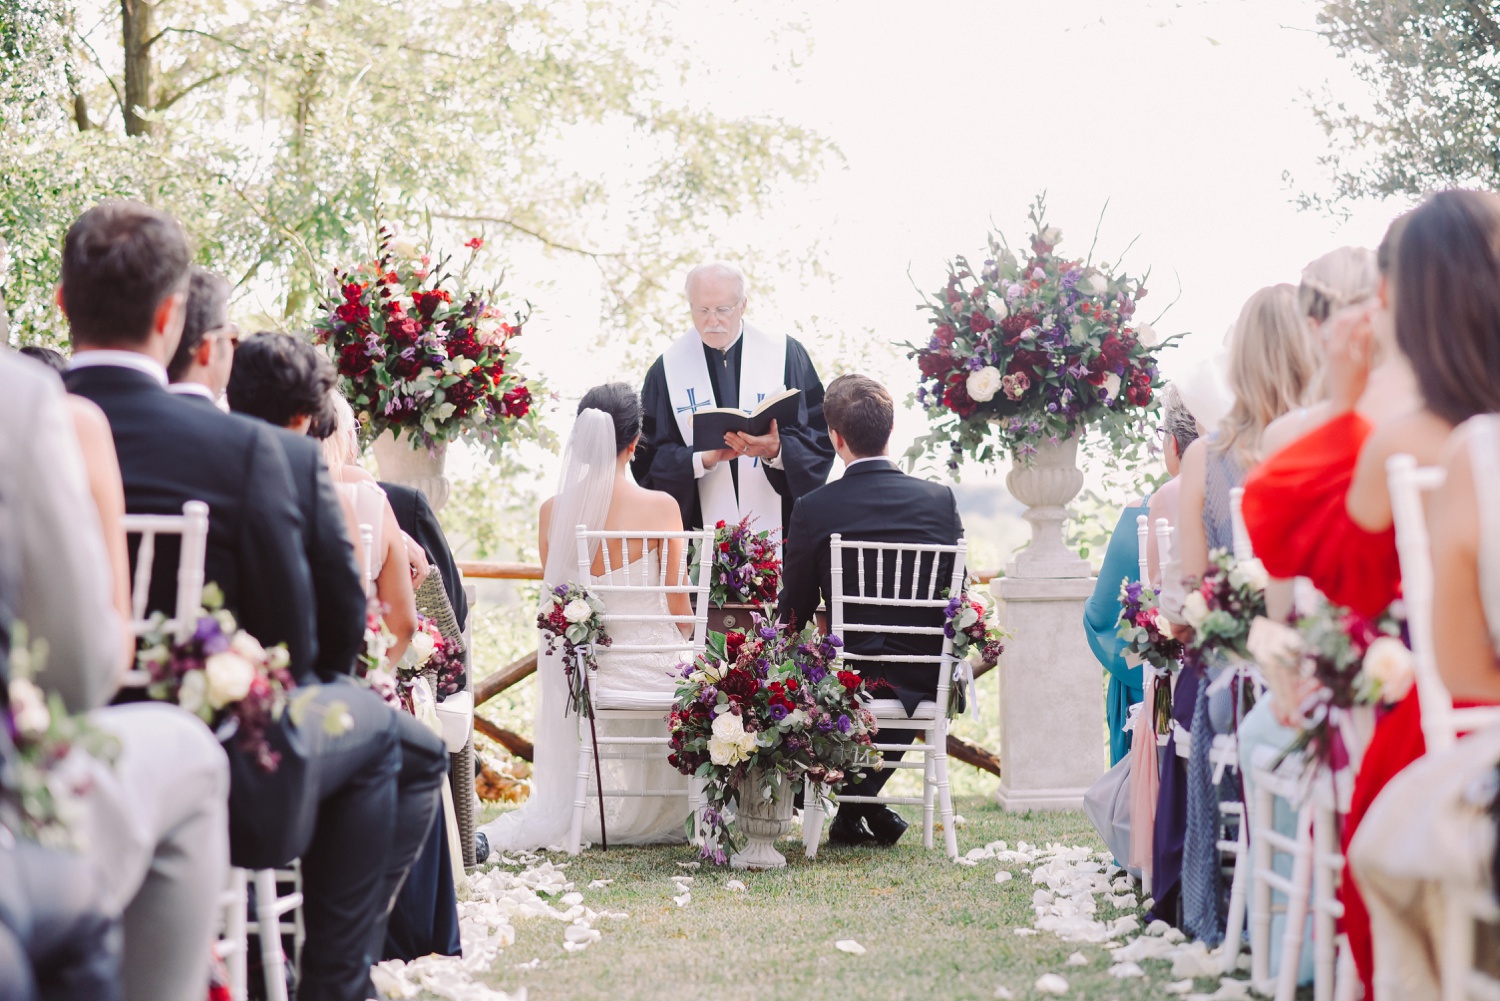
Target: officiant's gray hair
(723,269)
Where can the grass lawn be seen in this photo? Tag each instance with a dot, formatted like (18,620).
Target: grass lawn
(933,929)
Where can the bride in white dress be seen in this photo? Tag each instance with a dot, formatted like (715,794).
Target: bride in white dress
(597,490)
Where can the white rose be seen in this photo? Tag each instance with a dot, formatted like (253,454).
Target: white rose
(983,384)
(422,646)
(577,610)
(1389,662)
(1098,284)
(725,753)
(193,691)
(247,646)
(1249,573)
(229,676)
(1052,235)
(1195,609)
(28,706)
(1001,310)
(714,671)
(1112,385)
(1146,334)
(729,727)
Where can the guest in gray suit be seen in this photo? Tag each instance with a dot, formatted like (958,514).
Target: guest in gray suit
(156,825)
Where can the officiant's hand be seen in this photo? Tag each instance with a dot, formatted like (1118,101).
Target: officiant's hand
(766,446)
(712,459)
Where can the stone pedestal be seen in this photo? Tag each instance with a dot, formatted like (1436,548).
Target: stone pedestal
(415,467)
(1051,695)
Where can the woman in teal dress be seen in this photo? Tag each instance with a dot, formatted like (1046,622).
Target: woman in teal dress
(1101,615)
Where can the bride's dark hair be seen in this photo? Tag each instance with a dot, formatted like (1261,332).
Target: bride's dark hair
(622,404)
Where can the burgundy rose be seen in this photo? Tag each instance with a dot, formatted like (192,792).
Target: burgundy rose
(354,361)
(732,643)
(979,322)
(404,330)
(739,684)
(427,303)
(935,364)
(1114,352)
(944,334)
(956,397)
(517,402)
(352,312)
(1139,396)
(405,365)
(462,395)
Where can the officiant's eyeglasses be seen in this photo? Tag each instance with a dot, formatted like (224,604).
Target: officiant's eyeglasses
(722,312)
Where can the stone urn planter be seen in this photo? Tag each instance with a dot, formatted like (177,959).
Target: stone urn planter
(1045,484)
(762,820)
(417,467)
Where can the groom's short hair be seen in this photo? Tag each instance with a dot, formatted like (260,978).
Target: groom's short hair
(861,411)
(120,260)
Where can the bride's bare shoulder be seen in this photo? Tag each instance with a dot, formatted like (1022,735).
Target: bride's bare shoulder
(655,508)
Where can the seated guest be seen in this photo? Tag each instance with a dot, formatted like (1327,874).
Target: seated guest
(419,523)
(125,270)
(285,382)
(200,365)
(59,929)
(873,501)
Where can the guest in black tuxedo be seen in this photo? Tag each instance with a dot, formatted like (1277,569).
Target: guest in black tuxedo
(285,382)
(872,502)
(123,283)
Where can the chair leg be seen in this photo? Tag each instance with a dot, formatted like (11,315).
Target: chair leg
(812,817)
(945,796)
(695,808)
(1456,951)
(1346,979)
(1325,948)
(580,792)
(929,786)
(272,961)
(235,930)
(1296,909)
(1260,893)
(1236,921)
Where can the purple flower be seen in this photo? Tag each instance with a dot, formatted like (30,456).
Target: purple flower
(778,713)
(816,673)
(825,724)
(843,723)
(1070,278)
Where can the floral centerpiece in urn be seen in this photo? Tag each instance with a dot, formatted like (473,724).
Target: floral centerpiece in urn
(755,715)
(1029,349)
(425,360)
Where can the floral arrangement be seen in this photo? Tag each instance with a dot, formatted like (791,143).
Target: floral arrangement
(775,700)
(572,616)
(51,770)
(746,569)
(374,666)
(970,622)
(1032,346)
(1145,629)
(1343,660)
(420,354)
(221,674)
(1224,604)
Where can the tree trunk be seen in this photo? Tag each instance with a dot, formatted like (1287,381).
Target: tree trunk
(137,23)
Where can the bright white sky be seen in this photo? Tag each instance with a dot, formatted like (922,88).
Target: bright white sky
(953,113)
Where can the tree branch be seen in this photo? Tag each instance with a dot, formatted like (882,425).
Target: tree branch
(542,238)
(167,102)
(205,34)
(119,99)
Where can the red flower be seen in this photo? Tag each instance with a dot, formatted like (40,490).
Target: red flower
(944,334)
(463,342)
(849,680)
(352,291)
(352,311)
(1114,352)
(462,395)
(739,684)
(354,361)
(427,303)
(405,330)
(956,397)
(1139,396)
(979,322)
(935,364)
(517,402)
(474,243)
(732,644)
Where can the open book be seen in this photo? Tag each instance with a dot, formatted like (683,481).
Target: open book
(710,426)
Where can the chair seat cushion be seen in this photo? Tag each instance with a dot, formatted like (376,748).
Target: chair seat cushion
(893,709)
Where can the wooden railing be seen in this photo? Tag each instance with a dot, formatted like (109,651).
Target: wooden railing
(488,687)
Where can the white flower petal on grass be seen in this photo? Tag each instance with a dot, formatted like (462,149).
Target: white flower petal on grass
(689,865)
(578,937)
(1123,970)
(1180,987)
(1005,993)
(1122,885)
(1004,876)
(1027,932)
(850,946)
(530,964)
(735,886)
(1123,900)
(683,900)
(682,879)
(599,884)
(1051,983)
(571,899)
(1078,959)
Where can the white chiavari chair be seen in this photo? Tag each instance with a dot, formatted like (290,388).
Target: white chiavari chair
(1270,784)
(1143,544)
(916,581)
(1441,723)
(233,945)
(367,556)
(626,571)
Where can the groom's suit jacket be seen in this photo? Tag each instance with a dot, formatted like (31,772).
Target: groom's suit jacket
(171,450)
(872,502)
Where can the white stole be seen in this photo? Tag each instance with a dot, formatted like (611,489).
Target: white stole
(762,374)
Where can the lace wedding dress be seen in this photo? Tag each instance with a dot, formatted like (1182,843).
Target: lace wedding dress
(625,679)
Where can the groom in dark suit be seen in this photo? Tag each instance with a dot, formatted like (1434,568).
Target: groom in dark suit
(872,502)
(124,282)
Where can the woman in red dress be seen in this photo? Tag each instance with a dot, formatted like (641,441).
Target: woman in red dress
(1320,507)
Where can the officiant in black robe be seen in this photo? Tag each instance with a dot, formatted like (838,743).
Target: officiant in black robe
(710,366)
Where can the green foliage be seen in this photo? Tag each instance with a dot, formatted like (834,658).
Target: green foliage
(1434,74)
(282,131)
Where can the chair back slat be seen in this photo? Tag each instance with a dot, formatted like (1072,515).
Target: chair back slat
(367,551)
(192,528)
(1143,544)
(638,577)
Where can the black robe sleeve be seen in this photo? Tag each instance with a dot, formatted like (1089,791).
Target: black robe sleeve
(662,459)
(806,451)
